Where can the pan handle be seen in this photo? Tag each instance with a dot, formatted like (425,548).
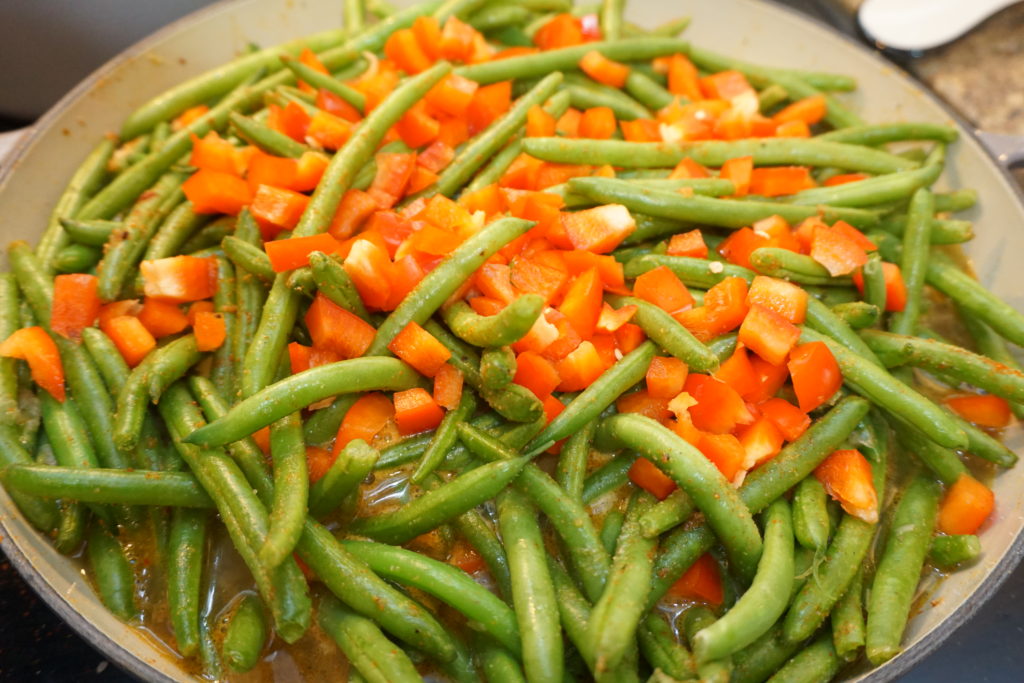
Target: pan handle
(1008,150)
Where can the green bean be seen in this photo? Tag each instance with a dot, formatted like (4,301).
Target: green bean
(349,469)
(284,588)
(499,16)
(10,322)
(789,265)
(899,568)
(533,594)
(445,582)
(325,82)
(460,9)
(186,550)
(556,106)
(619,610)
(206,241)
(611,19)
(765,151)
(593,400)
(497,367)
(943,231)
(222,371)
(568,517)
(970,296)
(944,462)
(948,552)
(880,134)
(711,492)
(994,377)
(668,333)
(497,664)
(357,586)
(916,246)
(72,524)
(369,651)
(85,181)
(76,258)
(480,149)
(246,635)
(704,210)
(444,437)
(695,620)
(810,516)
(844,556)
(174,232)
(882,388)
(711,61)
(430,510)
(770,97)
(477,530)
(147,381)
(711,187)
(647,91)
(302,389)
(567,59)
(126,246)
(821,319)
(267,139)
(857,314)
(694,272)
(94,233)
(41,513)
(765,600)
(333,280)
(572,461)
(506,327)
(97,485)
(761,659)
(218,81)
(874,282)
(816,662)
(666,514)
(587,94)
(609,477)
(872,191)
(248,257)
(611,527)
(69,438)
(115,580)
(291,490)
(848,619)
(446,278)
(992,345)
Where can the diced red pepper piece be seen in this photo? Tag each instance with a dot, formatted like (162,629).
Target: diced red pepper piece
(34,345)
(420,349)
(416,411)
(846,475)
(179,279)
(76,305)
(815,373)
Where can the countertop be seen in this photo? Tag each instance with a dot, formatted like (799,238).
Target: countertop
(982,77)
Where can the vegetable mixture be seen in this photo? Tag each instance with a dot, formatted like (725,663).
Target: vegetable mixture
(508,341)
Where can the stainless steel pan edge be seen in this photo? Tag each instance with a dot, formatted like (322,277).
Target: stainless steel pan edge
(769,33)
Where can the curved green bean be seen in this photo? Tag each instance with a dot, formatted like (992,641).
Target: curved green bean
(185,559)
(446,278)
(350,468)
(669,334)
(504,328)
(766,599)
(711,492)
(295,392)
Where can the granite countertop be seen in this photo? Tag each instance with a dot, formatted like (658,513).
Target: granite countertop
(982,77)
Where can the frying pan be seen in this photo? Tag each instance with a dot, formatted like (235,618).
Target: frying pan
(757,31)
